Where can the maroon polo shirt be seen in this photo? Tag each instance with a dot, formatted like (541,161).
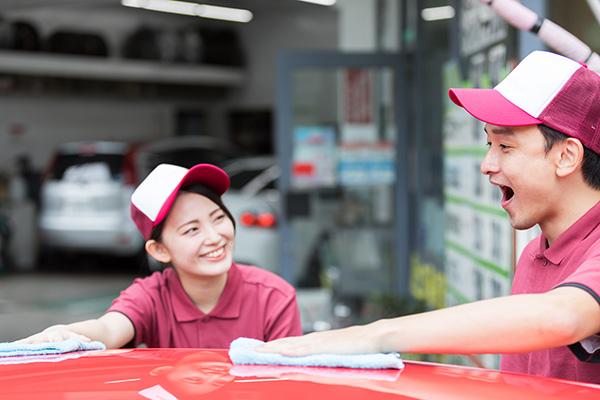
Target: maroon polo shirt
(255,303)
(572,260)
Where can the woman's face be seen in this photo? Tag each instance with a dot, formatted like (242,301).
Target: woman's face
(198,237)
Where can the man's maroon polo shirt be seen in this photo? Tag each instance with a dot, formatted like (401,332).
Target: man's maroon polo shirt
(572,260)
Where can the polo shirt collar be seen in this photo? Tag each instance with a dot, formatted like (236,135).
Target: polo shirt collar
(228,306)
(570,239)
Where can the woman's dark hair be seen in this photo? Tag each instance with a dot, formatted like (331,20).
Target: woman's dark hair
(591,161)
(201,190)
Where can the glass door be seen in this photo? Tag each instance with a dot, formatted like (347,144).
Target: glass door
(343,159)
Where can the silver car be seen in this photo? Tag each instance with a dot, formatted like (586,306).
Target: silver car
(255,204)
(85,200)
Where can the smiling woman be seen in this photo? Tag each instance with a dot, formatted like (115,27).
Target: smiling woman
(205,299)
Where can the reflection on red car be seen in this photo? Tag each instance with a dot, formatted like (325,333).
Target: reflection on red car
(190,373)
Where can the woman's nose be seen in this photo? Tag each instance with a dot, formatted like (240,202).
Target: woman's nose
(211,234)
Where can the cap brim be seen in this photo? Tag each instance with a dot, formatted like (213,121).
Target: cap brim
(208,175)
(488,105)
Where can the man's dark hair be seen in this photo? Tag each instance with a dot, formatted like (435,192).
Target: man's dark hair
(591,161)
(203,191)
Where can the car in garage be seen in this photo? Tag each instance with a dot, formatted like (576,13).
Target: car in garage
(85,199)
(255,204)
(146,373)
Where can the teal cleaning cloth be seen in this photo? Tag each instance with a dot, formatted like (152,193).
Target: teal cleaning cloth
(241,352)
(13,349)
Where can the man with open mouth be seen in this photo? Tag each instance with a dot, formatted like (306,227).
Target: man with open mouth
(542,125)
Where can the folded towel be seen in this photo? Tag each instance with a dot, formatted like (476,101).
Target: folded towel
(241,351)
(12,349)
(41,358)
(279,371)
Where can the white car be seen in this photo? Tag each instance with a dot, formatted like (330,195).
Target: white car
(255,204)
(85,200)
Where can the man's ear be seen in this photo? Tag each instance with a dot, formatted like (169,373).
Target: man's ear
(571,157)
(158,251)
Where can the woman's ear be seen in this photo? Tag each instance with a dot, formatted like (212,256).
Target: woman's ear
(158,251)
(571,157)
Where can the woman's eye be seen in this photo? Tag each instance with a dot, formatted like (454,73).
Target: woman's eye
(190,231)
(220,217)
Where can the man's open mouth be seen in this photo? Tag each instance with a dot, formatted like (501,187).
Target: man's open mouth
(507,193)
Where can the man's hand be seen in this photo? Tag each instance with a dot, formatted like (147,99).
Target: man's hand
(352,340)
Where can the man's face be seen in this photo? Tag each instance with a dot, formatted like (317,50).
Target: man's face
(518,164)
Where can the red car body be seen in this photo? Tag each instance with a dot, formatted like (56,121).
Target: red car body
(190,373)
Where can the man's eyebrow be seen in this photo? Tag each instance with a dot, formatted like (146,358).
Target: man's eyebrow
(499,130)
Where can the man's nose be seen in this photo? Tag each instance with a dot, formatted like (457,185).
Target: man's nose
(489,164)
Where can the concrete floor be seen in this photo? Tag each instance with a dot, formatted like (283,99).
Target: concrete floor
(33,301)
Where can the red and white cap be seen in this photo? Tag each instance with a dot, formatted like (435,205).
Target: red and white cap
(545,88)
(154,197)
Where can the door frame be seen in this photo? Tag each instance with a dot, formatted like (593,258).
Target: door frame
(287,62)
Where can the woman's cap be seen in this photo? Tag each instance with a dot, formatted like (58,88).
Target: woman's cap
(154,197)
(545,88)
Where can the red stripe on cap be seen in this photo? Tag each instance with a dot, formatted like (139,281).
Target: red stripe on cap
(208,175)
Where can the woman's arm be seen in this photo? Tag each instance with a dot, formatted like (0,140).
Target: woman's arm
(113,329)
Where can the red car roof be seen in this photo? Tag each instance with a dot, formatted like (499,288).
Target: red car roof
(188,373)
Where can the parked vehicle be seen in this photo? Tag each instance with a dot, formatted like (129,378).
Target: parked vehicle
(85,199)
(255,204)
(191,373)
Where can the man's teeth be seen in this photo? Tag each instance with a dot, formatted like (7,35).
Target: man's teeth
(216,253)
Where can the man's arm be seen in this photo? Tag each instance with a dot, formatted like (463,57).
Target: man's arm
(510,324)
(113,329)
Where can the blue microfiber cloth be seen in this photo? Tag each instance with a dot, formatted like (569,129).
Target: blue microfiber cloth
(12,349)
(241,351)
(285,371)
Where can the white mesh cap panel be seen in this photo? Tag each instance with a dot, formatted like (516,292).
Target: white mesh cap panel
(152,193)
(533,84)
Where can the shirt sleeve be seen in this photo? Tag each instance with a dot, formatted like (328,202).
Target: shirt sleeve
(284,319)
(586,278)
(136,304)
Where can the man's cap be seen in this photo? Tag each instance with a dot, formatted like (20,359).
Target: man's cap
(545,88)
(154,197)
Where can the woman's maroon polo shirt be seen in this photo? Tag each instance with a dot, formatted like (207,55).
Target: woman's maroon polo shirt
(255,303)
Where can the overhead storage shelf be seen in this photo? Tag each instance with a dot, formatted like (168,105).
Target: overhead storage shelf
(111,69)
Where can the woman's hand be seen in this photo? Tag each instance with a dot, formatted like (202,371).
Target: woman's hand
(56,333)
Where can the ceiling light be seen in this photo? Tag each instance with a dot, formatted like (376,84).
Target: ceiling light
(194,9)
(321,2)
(437,13)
